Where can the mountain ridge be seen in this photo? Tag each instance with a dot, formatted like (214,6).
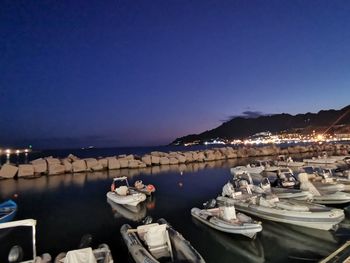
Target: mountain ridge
(242,127)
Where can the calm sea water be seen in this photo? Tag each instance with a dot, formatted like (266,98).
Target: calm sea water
(69,206)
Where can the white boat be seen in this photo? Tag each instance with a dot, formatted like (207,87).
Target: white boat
(283,177)
(283,190)
(123,194)
(247,168)
(154,243)
(282,160)
(323,179)
(226,220)
(320,195)
(321,159)
(271,208)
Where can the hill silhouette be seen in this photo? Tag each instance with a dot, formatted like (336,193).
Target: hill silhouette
(242,127)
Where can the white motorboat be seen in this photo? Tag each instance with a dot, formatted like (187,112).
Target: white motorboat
(225,219)
(123,194)
(248,168)
(283,177)
(323,179)
(320,195)
(154,243)
(282,160)
(289,211)
(321,159)
(281,189)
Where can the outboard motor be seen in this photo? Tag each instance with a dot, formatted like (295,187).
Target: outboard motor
(245,186)
(210,204)
(85,241)
(228,189)
(147,220)
(265,185)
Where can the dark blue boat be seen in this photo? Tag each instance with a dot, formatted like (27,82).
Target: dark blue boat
(7,211)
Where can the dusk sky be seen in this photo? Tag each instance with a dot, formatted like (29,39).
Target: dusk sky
(133,73)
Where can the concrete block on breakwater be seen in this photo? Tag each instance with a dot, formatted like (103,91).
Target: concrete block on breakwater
(159,160)
(25,170)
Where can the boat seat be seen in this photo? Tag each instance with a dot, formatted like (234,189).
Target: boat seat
(156,238)
(122,190)
(84,255)
(142,230)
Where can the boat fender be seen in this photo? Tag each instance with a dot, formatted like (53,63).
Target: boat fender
(112,187)
(151,188)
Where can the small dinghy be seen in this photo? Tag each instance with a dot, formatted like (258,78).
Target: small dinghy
(142,188)
(8,210)
(158,242)
(225,219)
(124,195)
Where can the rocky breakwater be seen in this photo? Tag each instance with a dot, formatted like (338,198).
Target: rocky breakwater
(73,164)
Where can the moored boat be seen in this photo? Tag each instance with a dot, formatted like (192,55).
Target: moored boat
(226,220)
(156,242)
(282,160)
(271,208)
(123,194)
(8,210)
(322,195)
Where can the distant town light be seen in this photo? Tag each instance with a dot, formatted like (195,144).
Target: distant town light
(26,150)
(320,137)
(17,151)
(8,151)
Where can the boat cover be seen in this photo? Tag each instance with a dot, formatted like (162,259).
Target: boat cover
(84,255)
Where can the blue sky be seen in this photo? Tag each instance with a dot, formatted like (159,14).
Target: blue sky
(129,73)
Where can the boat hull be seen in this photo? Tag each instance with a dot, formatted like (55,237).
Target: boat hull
(184,252)
(326,220)
(132,199)
(247,229)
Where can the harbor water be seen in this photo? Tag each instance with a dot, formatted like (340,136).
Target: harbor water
(69,206)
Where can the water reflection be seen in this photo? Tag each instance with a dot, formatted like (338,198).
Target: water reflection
(298,242)
(133,213)
(249,250)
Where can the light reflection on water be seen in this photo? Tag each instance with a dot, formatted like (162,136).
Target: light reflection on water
(71,205)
